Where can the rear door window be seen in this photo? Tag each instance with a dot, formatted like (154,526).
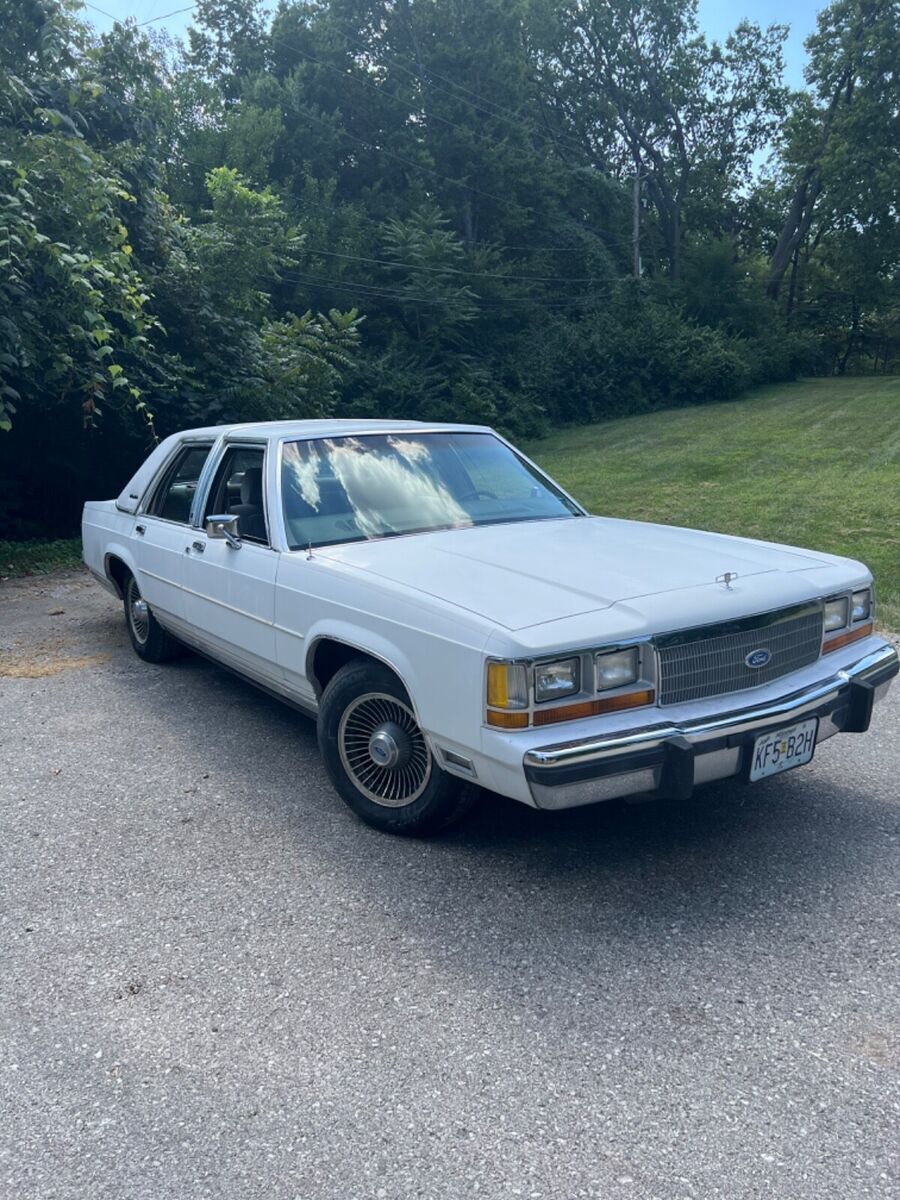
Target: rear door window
(175,494)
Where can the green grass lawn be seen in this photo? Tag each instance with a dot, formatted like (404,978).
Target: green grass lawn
(813,464)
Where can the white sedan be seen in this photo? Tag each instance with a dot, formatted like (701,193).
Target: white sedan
(454,619)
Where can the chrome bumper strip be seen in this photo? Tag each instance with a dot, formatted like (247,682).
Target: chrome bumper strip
(881,662)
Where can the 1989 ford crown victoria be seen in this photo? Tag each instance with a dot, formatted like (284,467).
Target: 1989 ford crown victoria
(453,618)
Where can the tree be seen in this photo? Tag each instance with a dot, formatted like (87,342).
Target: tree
(842,146)
(643,93)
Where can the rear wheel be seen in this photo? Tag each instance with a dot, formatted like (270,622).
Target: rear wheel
(149,639)
(378,758)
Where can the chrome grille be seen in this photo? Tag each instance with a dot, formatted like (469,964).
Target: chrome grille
(709,661)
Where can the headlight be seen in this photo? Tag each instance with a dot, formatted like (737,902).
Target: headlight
(836,612)
(861,607)
(552,680)
(617,668)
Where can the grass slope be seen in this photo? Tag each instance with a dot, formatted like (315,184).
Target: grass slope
(814,464)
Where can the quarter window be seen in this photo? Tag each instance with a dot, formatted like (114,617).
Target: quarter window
(175,494)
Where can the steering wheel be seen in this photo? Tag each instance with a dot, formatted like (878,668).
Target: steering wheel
(478,494)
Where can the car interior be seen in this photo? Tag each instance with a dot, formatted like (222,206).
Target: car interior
(238,490)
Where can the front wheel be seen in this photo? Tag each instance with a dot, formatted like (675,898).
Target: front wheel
(149,639)
(378,758)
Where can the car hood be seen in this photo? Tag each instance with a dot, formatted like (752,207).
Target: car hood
(520,575)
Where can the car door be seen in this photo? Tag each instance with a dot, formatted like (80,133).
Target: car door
(162,526)
(229,593)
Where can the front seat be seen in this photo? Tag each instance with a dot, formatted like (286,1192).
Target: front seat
(252,523)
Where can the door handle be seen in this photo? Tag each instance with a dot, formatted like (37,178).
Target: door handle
(197,547)
(141,529)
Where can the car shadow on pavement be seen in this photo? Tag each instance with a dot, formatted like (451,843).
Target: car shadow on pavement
(733,851)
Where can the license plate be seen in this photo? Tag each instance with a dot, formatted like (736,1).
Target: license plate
(783,749)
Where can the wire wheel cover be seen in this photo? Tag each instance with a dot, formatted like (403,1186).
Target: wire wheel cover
(383,751)
(138,613)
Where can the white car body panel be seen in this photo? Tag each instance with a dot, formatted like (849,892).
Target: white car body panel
(436,606)
(234,604)
(523,575)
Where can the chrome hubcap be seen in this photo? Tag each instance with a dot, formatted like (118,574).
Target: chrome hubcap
(383,751)
(138,613)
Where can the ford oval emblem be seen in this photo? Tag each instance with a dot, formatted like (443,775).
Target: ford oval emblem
(757,658)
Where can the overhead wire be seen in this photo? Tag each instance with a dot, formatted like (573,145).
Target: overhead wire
(477,103)
(163,16)
(369,291)
(373,290)
(383,262)
(305,202)
(529,131)
(370,144)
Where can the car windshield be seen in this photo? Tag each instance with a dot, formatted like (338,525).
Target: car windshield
(369,486)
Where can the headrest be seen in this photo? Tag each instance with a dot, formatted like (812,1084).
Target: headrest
(251,486)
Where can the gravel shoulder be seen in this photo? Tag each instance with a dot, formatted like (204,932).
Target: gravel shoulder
(216,983)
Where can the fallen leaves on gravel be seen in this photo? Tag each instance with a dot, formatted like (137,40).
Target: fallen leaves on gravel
(39,666)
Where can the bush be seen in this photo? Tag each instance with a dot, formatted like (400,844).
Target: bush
(631,356)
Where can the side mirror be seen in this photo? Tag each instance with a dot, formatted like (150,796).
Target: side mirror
(225,526)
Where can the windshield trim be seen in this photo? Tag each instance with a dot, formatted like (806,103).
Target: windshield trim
(463,431)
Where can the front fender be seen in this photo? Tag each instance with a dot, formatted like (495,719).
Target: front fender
(367,641)
(442,676)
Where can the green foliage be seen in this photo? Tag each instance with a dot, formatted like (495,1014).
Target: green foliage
(443,192)
(75,307)
(38,557)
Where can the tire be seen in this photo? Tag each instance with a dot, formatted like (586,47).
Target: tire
(148,638)
(411,795)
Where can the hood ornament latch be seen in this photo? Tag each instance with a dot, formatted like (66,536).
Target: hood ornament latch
(727,578)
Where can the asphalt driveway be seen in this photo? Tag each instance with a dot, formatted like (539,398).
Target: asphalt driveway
(214,982)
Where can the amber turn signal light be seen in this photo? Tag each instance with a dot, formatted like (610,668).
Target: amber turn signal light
(507,720)
(844,639)
(593,708)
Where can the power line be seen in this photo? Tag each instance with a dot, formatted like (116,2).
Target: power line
(373,291)
(368,143)
(476,104)
(103,11)
(396,99)
(138,24)
(163,16)
(305,202)
(511,117)
(383,262)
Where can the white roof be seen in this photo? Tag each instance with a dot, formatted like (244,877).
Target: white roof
(323,428)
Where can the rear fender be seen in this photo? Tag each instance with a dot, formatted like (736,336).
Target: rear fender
(120,551)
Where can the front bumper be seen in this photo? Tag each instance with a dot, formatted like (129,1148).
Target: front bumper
(672,759)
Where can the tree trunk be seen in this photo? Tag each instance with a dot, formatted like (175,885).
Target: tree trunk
(796,227)
(800,213)
(792,293)
(668,209)
(854,330)
(468,224)
(675,247)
